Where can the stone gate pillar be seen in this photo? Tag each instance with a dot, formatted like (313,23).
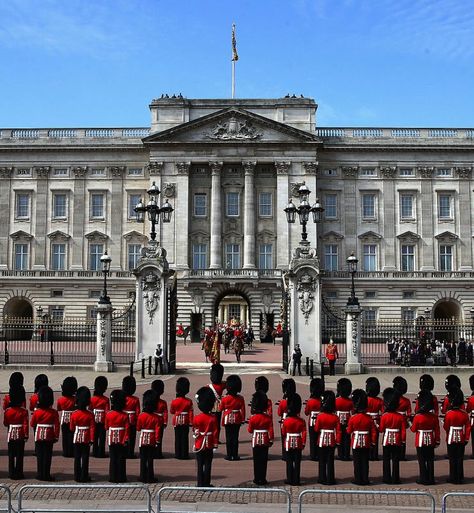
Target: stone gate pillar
(103,361)
(152,275)
(353,358)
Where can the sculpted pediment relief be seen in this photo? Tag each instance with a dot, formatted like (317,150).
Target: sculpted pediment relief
(332,235)
(409,237)
(20,234)
(96,235)
(58,235)
(369,236)
(447,236)
(135,236)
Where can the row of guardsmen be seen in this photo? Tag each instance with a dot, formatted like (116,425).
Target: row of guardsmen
(351,420)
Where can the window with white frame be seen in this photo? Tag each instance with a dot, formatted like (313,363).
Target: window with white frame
(134,251)
(59,205)
(98,171)
(58,256)
(265,256)
(200,204)
(232,204)
(234,311)
(20,256)
(61,171)
(407,171)
(369,260)
(265,207)
(444,172)
(368,171)
(445,257)
(133,200)
(370,314)
(22,205)
(407,206)
(199,256)
(135,171)
(56,313)
(330,206)
(408,314)
(23,171)
(331,257)
(368,206)
(95,252)
(408,257)
(445,205)
(97,205)
(232,256)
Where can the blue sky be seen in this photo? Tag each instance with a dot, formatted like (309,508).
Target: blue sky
(365,62)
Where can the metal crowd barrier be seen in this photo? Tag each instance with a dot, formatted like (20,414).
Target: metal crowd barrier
(213,490)
(83,498)
(4,490)
(446,496)
(368,493)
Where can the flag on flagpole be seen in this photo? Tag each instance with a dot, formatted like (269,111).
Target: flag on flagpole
(235,56)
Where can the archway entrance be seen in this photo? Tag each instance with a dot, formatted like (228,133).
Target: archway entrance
(18,320)
(447,318)
(447,309)
(18,307)
(233,306)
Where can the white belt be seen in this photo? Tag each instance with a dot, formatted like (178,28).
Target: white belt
(343,416)
(65,416)
(359,439)
(41,431)
(258,437)
(205,442)
(424,437)
(145,437)
(14,432)
(79,433)
(312,417)
(181,418)
(389,436)
(114,437)
(454,435)
(291,441)
(472,417)
(229,418)
(325,437)
(98,415)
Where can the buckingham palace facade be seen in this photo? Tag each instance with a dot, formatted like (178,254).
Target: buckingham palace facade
(401,199)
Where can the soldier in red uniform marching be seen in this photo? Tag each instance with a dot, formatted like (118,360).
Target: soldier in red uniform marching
(375,410)
(16,380)
(182,410)
(451,383)
(288,387)
(404,406)
(312,410)
(99,406)
(82,425)
(427,383)
(41,380)
(161,410)
(470,411)
(149,428)
(16,421)
(66,404)
(262,385)
(293,430)
(344,409)
(233,415)
(132,409)
(117,426)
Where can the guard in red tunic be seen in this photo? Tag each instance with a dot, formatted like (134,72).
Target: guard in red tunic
(458,431)
(328,431)
(288,387)
(404,406)
(363,436)
(41,380)
(375,410)
(262,385)
(451,383)
(344,409)
(16,421)
(293,430)
(161,410)
(218,386)
(182,410)
(312,410)
(45,422)
(470,411)
(99,406)
(233,415)
(427,436)
(66,404)
(82,425)
(16,380)
(393,428)
(206,436)
(261,428)
(427,383)
(117,426)
(148,428)
(132,409)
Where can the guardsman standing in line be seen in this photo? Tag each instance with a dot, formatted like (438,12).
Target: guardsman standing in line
(312,410)
(99,406)
(182,410)
(288,387)
(161,410)
(66,404)
(375,410)
(41,380)
(404,406)
(233,415)
(262,385)
(82,425)
(132,409)
(293,430)
(117,426)
(16,380)
(393,428)
(470,411)
(427,383)
(148,428)
(452,382)
(217,386)
(426,427)
(328,431)
(16,420)
(261,428)
(344,409)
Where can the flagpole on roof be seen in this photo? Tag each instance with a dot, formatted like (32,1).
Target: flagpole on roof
(235,58)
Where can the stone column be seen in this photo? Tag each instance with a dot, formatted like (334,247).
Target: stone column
(182,219)
(310,177)
(216,216)
(78,213)
(41,217)
(427,247)
(5,198)
(282,197)
(353,360)
(349,204)
(103,360)
(116,209)
(249,215)
(465,226)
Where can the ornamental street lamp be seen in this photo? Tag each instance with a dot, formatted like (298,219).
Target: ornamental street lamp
(153,210)
(352,262)
(105,260)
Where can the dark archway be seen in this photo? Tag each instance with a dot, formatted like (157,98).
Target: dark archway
(18,319)
(447,309)
(18,307)
(228,302)
(447,319)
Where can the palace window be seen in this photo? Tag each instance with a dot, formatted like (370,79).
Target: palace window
(407,171)
(368,207)
(56,313)
(370,314)
(95,252)
(330,206)
(445,257)
(369,262)
(200,204)
(24,171)
(368,171)
(98,171)
(233,311)
(199,256)
(232,256)
(406,207)
(61,171)
(444,172)
(445,206)
(265,256)
(408,314)
(22,207)
(59,205)
(265,204)
(58,256)
(232,204)
(135,171)
(134,251)
(408,257)
(97,205)
(21,257)
(133,199)
(331,257)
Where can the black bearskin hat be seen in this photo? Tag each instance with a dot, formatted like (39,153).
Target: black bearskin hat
(471,382)
(149,401)
(234,384)
(100,385)
(205,399)
(158,387)
(451,382)
(294,405)
(41,380)
(400,385)
(261,384)
(316,388)
(288,387)
(45,397)
(259,402)
(426,382)
(425,401)
(359,398)
(182,386)
(456,398)
(217,373)
(16,379)
(372,386)
(391,399)
(129,385)
(117,400)
(344,387)
(17,396)
(69,386)
(83,398)
(329,402)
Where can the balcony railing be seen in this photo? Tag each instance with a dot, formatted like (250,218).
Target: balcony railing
(71,135)
(210,274)
(403,275)
(453,134)
(63,274)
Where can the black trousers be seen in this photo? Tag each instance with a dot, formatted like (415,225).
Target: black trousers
(147,472)
(374,449)
(130,452)
(98,447)
(456,463)
(361,466)
(204,467)
(232,441)
(260,461)
(16,453)
(332,367)
(391,464)
(426,463)
(181,442)
(67,437)
(81,462)
(313,453)
(44,456)
(218,415)
(472,443)
(117,463)
(344,449)
(296,366)
(403,452)
(293,466)
(326,465)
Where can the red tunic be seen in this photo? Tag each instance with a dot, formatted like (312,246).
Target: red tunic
(6,402)
(118,426)
(99,406)
(218,390)
(46,422)
(182,410)
(282,409)
(375,408)
(233,408)
(205,432)
(82,424)
(312,409)
(328,427)
(162,411)
(435,409)
(404,408)
(261,428)
(65,406)
(33,401)
(16,419)
(293,430)
(470,408)
(149,426)
(363,430)
(426,427)
(446,405)
(132,408)
(269,408)
(393,428)
(457,426)
(344,409)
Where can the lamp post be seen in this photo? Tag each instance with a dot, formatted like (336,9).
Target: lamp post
(153,209)
(352,262)
(105,260)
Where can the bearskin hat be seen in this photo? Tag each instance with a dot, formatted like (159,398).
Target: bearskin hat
(344,387)
(372,386)
(16,379)
(41,380)
(234,384)
(83,398)
(17,396)
(182,387)
(158,387)
(426,382)
(261,384)
(259,402)
(391,399)
(425,401)
(294,405)
(456,398)
(129,385)
(316,388)
(452,381)
(205,399)
(217,373)
(69,386)
(328,404)
(288,387)
(471,382)
(117,400)
(149,401)
(100,385)
(359,398)
(45,397)
(400,385)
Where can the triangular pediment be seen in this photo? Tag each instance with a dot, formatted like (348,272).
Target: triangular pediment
(447,235)
(58,234)
(369,235)
(134,235)
(232,125)
(408,236)
(332,235)
(96,235)
(20,234)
